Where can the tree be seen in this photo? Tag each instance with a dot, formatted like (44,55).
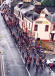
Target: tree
(54,2)
(47,2)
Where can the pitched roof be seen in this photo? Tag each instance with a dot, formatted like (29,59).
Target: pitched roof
(51,17)
(51,9)
(31,15)
(24,7)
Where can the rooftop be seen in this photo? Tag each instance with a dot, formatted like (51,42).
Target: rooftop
(31,15)
(50,9)
(24,7)
(51,17)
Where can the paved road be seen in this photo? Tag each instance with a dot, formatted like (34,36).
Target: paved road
(0,65)
(13,63)
(12,59)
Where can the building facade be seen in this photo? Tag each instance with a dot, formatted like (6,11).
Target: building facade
(40,28)
(37,25)
(20,10)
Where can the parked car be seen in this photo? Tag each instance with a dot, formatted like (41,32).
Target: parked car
(51,62)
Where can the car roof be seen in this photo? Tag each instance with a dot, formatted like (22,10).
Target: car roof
(53,59)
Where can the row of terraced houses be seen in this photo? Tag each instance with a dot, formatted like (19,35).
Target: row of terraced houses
(37,25)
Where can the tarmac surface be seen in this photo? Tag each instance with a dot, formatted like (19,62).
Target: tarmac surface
(0,66)
(13,61)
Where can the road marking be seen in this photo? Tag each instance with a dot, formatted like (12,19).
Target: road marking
(2,67)
(23,61)
(28,72)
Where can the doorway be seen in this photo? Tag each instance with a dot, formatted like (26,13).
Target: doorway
(52,36)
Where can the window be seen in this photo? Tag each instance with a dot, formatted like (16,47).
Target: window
(36,27)
(54,27)
(46,28)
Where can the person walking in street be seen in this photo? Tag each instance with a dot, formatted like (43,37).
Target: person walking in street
(34,59)
(37,66)
(20,47)
(40,62)
(37,48)
(26,58)
(29,63)
(45,60)
(23,53)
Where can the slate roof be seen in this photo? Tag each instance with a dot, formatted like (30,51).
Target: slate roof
(51,9)
(31,15)
(51,18)
(24,7)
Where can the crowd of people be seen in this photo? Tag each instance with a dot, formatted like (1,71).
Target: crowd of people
(24,43)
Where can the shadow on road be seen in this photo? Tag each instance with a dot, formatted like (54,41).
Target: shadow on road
(53,69)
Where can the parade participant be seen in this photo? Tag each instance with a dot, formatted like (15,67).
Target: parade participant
(20,47)
(29,63)
(39,46)
(30,58)
(23,53)
(37,66)
(23,43)
(26,58)
(40,62)
(33,50)
(45,60)
(34,59)
(27,50)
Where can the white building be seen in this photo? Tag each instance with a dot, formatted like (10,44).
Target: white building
(39,26)
(20,10)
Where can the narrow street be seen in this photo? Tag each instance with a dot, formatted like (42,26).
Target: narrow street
(13,64)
